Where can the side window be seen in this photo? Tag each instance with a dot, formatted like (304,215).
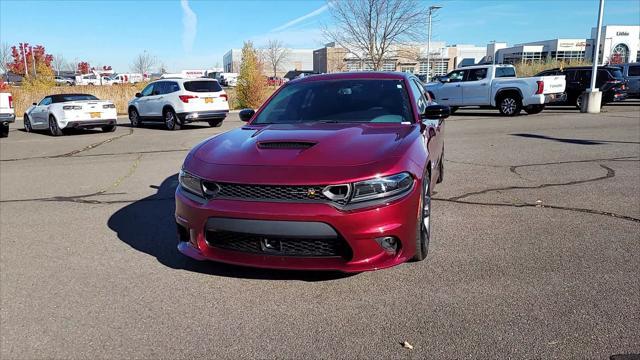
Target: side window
(603,76)
(505,71)
(172,87)
(148,90)
(160,88)
(456,76)
(477,74)
(419,95)
(634,70)
(46,101)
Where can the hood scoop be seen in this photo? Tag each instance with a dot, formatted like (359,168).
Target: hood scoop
(296,145)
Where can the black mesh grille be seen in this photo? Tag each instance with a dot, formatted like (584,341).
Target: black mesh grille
(251,243)
(285,145)
(303,193)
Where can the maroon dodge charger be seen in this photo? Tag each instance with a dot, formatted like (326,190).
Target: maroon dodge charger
(333,172)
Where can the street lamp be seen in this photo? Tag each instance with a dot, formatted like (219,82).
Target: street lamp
(431,10)
(593,96)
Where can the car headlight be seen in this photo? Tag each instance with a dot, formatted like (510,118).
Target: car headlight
(197,186)
(381,187)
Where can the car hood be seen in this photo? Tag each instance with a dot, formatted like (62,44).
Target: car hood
(305,144)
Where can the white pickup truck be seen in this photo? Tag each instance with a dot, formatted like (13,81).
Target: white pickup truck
(7,114)
(496,86)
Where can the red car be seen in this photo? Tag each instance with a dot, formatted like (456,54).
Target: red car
(333,172)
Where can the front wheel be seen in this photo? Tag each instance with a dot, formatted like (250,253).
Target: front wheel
(423,231)
(109,128)
(134,117)
(4,130)
(27,124)
(534,109)
(54,129)
(509,105)
(171,120)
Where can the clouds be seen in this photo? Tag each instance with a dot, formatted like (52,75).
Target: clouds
(189,25)
(302,18)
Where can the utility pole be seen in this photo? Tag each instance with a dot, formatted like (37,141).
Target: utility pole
(593,96)
(33,58)
(431,10)
(24,57)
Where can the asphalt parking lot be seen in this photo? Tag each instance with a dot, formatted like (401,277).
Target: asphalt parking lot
(535,253)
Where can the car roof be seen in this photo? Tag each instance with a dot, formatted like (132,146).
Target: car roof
(381,75)
(589,67)
(182,80)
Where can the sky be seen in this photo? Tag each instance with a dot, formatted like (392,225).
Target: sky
(192,34)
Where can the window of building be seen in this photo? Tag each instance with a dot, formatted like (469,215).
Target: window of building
(389,66)
(408,69)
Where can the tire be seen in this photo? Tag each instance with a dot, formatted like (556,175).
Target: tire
(423,231)
(579,102)
(134,117)
(54,130)
(4,130)
(215,123)
(109,128)
(27,124)
(171,121)
(534,109)
(441,168)
(509,105)
(453,109)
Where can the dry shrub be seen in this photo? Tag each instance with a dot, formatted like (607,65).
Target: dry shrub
(119,94)
(532,68)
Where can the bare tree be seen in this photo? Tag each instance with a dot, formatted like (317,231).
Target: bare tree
(5,57)
(274,55)
(143,63)
(59,63)
(372,30)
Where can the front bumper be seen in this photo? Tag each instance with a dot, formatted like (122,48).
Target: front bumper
(358,229)
(187,117)
(7,118)
(89,124)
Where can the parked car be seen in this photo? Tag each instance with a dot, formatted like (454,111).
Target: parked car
(334,172)
(7,113)
(609,80)
(496,86)
(88,79)
(274,81)
(128,78)
(631,74)
(60,80)
(176,102)
(70,111)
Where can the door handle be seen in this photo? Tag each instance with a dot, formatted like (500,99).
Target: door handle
(483,84)
(458,85)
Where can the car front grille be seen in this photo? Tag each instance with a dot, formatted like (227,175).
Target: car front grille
(301,193)
(294,247)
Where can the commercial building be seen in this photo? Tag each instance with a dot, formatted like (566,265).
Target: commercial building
(406,58)
(296,59)
(618,44)
(556,49)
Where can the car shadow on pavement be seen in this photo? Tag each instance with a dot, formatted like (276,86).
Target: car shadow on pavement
(148,225)
(574,141)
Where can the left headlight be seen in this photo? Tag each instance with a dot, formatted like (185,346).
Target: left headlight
(191,183)
(381,187)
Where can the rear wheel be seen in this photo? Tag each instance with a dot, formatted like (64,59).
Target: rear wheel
(109,128)
(4,130)
(423,231)
(509,105)
(27,123)
(134,117)
(534,109)
(215,123)
(54,129)
(171,121)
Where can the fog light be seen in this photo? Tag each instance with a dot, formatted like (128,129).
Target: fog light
(388,243)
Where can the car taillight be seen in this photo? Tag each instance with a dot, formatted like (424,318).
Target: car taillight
(225,97)
(540,89)
(10,102)
(185,98)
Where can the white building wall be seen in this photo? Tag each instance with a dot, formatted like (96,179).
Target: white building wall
(615,37)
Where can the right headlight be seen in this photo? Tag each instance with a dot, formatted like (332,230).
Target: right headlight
(381,187)
(197,186)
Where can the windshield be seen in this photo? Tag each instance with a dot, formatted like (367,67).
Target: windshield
(357,100)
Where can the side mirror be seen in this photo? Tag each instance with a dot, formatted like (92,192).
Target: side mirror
(246,114)
(436,112)
(138,95)
(444,80)
(34,104)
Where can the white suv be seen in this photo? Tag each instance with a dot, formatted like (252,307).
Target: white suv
(176,102)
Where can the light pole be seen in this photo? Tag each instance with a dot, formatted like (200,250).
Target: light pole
(431,10)
(593,96)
